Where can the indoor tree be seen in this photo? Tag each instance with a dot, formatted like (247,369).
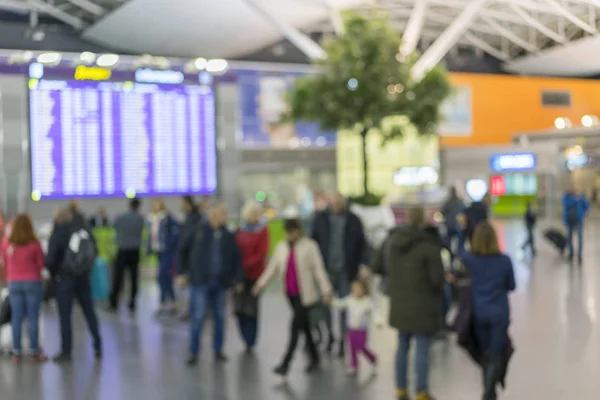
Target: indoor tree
(365,79)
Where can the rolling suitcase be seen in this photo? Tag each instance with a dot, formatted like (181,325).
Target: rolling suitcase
(99,280)
(556,238)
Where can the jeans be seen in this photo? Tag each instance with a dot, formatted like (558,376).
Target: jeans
(579,230)
(248,324)
(67,289)
(127,260)
(25,300)
(165,277)
(451,234)
(203,298)
(300,323)
(446,302)
(530,242)
(423,343)
(492,334)
(357,339)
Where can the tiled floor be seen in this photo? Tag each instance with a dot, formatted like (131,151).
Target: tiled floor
(554,328)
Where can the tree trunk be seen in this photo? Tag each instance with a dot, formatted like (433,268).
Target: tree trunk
(363,135)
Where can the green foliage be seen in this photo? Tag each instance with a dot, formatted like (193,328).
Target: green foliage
(368,200)
(364,80)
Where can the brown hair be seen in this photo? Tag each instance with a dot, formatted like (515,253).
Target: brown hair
(485,240)
(364,286)
(21,231)
(416,216)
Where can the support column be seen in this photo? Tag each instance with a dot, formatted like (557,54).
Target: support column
(447,39)
(412,33)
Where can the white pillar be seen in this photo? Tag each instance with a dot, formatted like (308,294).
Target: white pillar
(412,33)
(447,39)
(297,38)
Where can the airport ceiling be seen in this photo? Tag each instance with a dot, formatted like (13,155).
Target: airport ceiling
(539,37)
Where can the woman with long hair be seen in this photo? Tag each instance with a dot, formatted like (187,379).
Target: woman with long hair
(492,278)
(298,261)
(164,234)
(253,241)
(23,258)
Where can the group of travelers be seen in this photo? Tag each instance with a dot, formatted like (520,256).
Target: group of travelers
(328,269)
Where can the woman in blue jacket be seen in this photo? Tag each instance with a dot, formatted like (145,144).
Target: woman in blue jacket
(162,241)
(492,278)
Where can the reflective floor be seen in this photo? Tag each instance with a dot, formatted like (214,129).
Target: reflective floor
(554,328)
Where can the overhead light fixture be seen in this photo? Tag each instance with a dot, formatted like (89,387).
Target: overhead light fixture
(200,63)
(87,58)
(217,65)
(589,120)
(37,34)
(562,123)
(49,58)
(107,60)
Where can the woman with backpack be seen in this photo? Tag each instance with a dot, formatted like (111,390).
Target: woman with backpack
(23,259)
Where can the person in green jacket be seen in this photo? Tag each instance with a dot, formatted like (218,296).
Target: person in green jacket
(410,259)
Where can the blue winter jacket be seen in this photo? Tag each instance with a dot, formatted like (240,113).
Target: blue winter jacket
(579,202)
(492,278)
(168,235)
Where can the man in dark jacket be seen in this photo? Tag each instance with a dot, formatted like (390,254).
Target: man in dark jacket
(341,239)
(70,287)
(476,212)
(410,259)
(210,261)
(193,217)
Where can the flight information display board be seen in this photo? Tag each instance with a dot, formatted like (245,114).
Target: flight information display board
(114,139)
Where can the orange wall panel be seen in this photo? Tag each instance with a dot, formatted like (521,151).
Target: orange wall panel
(504,105)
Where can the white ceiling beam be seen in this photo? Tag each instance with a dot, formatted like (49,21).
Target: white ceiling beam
(572,17)
(304,43)
(434,54)
(486,47)
(45,8)
(89,6)
(502,31)
(534,23)
(412,33)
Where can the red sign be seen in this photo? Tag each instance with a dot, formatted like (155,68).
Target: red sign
(498,185)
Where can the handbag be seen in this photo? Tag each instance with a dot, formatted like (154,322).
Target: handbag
(5,312)
(246,304)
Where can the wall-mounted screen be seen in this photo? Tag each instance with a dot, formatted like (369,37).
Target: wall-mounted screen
(114,139)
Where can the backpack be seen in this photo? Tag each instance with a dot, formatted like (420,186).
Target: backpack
(80,254)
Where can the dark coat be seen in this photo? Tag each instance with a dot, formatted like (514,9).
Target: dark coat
(464,325)
(59,241)
(195,257)
(411,260)
(355,243)
(191,224)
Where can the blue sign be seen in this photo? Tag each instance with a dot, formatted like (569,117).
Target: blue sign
(513,162)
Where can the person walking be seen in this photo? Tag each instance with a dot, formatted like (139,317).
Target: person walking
(129,227)
(193,217)
(210,261)
(530,221)
(23,258)
(340,236)
(451,209)
(298,261)
(476,212)
(492,278)
(164,234)
(360,310)
(410,259)
(67,239)
(575,209)
(253,241)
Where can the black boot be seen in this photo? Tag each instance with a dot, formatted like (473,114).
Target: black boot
(491,370)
